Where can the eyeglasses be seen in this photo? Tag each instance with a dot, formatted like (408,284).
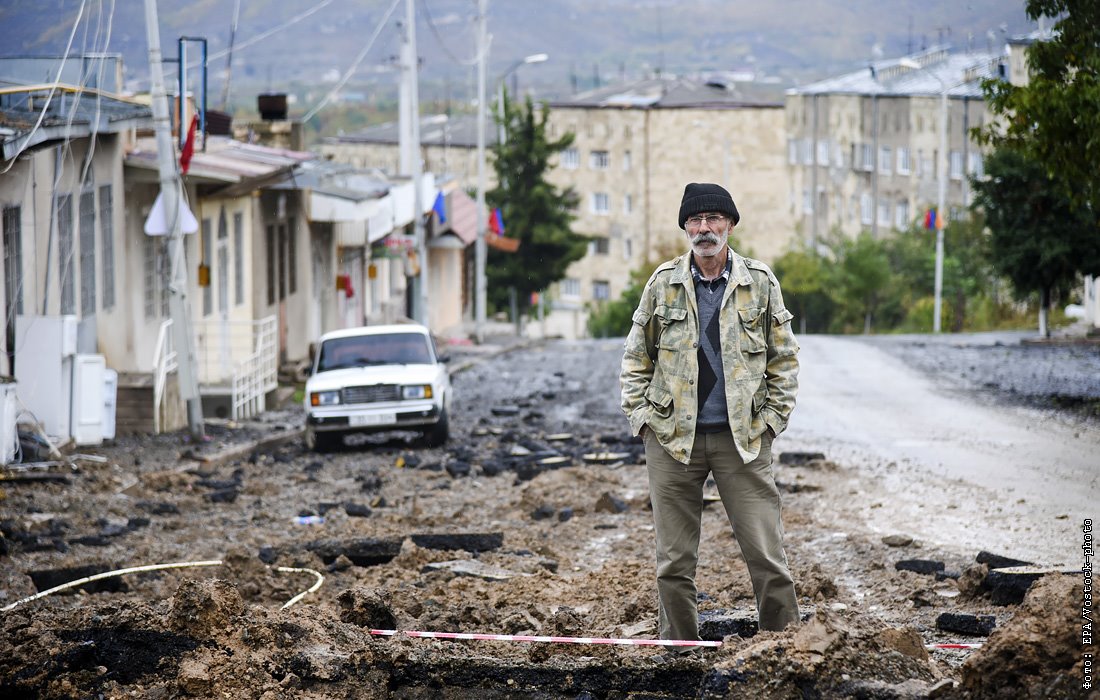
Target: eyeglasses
(711,219)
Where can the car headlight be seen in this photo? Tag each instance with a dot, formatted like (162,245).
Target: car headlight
(324,398)
(418,391)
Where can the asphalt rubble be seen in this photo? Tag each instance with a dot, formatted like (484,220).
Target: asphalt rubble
(533,520)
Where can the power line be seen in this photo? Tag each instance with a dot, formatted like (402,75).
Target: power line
(439,39)
(355,64)
(53,89)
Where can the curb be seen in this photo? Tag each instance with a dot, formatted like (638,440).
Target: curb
(235,451)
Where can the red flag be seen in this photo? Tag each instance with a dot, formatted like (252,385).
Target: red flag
(496,222)
(188,146)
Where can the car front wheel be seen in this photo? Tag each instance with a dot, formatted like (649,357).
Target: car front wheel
(437,435)
(322,442)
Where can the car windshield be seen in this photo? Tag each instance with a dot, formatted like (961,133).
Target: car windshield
(366,350)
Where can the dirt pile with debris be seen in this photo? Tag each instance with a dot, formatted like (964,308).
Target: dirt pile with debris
(534,520)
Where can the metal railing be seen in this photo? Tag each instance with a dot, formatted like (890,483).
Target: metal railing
(241,356)
(165,361)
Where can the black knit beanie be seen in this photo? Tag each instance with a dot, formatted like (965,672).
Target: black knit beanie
(704,196)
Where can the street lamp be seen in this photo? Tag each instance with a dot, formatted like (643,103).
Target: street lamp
(480,286)
(942,193)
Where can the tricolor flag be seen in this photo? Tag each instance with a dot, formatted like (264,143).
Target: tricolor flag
(496,222)
(933,219)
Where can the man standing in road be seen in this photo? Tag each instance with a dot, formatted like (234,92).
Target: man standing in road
(708,380)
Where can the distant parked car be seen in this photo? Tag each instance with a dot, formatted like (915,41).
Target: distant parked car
(373,379)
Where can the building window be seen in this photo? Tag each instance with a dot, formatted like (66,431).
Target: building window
(599,245)
(238,258)
(65,252)
(600,203)
(807,152)
(792,151)
(822,152)
(156,270)
(885,155)
(867,157)
(628,249)
(627,160)
(628,203)
(599,160)
(569,159)
(107,244)
(975,167)
(272,246)
(281,251)
(807,202)
(883,213)
(901,215)
(956,165)
(13,259)
(601,290)
(223,278)
(207,249)
(87,253)
(570,288)
(866,207)
(903,160)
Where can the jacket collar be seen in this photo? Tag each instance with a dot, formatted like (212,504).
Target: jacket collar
(739,274)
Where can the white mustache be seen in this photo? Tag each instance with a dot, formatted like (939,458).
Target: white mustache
(708,237)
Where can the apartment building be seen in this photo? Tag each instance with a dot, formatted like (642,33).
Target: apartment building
(635,148)
(863,148)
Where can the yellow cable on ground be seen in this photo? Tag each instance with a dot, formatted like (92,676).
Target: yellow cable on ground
(161,567)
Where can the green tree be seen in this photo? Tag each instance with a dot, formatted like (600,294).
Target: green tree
(1054,119)
(860,279)
(534,211)
(1040,239)
(803,277)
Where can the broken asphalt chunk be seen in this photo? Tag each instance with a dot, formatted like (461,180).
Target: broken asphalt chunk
(362,551)
(965,623)
(800,459)
(505,410)
(714,625)
(996,561)
(469,542)
(920,566)
(1010,584)
(357,510)
(45,579)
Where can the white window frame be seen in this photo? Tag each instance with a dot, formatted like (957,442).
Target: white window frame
(601,290)
(901,214)
(883,212)
(956,165)
(570,288)
(823,152)
(570,159)
(885,158)
(867,157)
(976,164)
(601,203)
(599,160)
(903,160)
(866,209)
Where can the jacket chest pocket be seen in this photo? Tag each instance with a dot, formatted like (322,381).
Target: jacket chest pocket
(675,328)
(752,329)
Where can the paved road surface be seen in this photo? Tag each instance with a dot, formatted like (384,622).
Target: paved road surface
(939,464)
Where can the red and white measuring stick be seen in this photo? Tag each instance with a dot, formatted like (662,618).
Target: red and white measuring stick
(539,638)
(975,645)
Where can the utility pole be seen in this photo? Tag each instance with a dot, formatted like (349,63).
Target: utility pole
(411,161)
(170,192)
(480,251)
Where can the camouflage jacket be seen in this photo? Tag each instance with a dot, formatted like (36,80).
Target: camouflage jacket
(660,368)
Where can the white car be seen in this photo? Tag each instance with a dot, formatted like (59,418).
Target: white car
(377,378)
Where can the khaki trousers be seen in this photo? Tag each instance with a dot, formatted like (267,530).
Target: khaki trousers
(751,500)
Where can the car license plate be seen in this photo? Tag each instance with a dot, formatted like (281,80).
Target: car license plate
(372,419)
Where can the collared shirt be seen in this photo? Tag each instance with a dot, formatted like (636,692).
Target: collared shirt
(697,276)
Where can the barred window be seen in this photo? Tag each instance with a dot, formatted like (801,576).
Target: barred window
(87,253)
(65,251)
(13,258)
(107,244)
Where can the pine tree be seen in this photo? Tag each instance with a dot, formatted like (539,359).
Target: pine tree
(534,211)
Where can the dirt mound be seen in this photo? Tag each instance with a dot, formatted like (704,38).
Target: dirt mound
(1037,653)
